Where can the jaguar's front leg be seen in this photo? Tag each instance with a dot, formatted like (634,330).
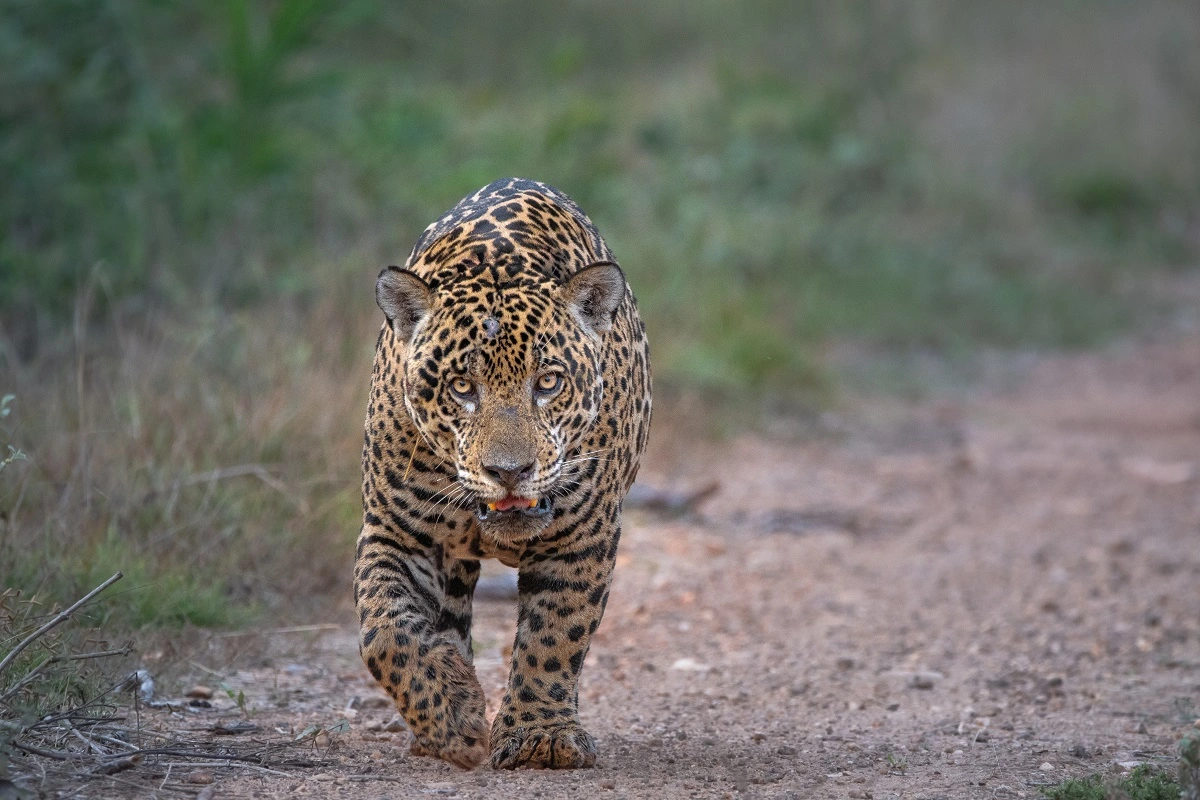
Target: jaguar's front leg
(415,616)
(561,597)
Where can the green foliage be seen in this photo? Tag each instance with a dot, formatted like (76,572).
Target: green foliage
(765,174)
(1189,766)
(238,697)
(1143,783)
(156,594)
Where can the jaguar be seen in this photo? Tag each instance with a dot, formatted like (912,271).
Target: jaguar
(509,408)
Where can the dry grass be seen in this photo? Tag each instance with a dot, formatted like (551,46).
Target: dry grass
(214,461)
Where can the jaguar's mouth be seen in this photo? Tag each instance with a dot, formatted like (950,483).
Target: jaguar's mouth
(513,504)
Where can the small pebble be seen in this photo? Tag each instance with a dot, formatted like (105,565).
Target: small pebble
(395,725)
(1046,767)
(200,777)
(786,750)
(924,680)
(199,692)
(375,702)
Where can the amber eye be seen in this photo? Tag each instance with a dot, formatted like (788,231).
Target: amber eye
(549,383)
(462,387)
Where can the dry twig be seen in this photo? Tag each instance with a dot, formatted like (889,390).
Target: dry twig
(59,618)
(33,673)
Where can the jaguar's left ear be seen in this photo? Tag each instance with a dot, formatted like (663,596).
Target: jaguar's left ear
(594,293)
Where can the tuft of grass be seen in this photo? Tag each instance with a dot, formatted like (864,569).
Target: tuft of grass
(50,669)
(209,479)
(1189,766)
(1143,783)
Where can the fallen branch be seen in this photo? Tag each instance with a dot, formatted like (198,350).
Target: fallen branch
(88,743)
(39,751)
(669,502)
(124,651)
(60,618)
(239,471)
(316,628)
(229,765)
(29,678)
(255,758)
(33,673)
(113,766)
(170,787)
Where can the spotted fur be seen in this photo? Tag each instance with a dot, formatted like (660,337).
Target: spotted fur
(513,364)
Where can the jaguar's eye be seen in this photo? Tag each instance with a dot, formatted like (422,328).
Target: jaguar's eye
(549,383)
(462,387)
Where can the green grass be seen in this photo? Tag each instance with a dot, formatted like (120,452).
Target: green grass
(197,197)
(1143,783)
(152,594)
(770,178)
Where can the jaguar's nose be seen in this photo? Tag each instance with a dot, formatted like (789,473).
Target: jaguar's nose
(509,475)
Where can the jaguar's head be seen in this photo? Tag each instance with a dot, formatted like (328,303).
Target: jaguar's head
(503,379)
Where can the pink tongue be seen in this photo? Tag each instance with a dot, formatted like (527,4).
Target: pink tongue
(512,501)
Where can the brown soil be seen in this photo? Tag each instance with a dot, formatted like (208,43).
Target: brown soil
(961,598)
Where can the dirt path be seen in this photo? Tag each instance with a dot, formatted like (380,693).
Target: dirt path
(961,599)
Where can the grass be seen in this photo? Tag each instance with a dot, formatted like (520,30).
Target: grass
(54,668)
(197,198)
(1143,783)
(796,168)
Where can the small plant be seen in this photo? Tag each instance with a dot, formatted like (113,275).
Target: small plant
(897,763)
(1143,783)
(53,680)
(13,453)
(238,697)
(1189,766)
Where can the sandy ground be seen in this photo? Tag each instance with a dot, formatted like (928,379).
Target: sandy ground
(969,597)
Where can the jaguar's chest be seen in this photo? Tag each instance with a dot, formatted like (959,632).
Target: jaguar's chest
(439,509)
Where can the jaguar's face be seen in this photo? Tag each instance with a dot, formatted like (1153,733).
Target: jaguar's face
(503,381)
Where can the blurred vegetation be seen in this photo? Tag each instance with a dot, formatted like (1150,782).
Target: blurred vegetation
(1142,783)
(197,197)
(902,173)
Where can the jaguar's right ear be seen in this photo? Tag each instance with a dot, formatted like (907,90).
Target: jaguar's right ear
(404,298)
